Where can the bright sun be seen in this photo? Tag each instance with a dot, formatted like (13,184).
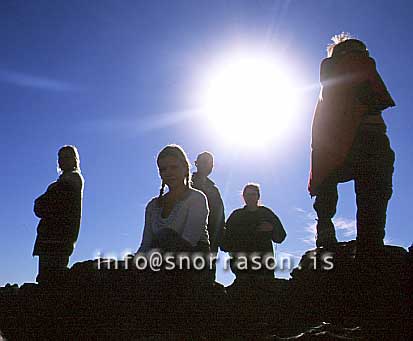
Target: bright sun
(250,101)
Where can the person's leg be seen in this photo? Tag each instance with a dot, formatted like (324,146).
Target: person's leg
(204,263)
(325,206)
(373,186)
(60,263)
(44,269)
(234,264)
(213,254)
(52,268)
(212,267)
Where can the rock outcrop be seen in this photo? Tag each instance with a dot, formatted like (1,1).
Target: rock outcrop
(331,295)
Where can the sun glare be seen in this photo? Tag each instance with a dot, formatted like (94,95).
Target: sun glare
(249,101)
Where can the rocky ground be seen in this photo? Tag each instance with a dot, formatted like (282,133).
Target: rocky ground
(368,299)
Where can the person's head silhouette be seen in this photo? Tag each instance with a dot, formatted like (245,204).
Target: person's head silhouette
(204,163)
(68,158)
(173,165)
(344,44)
(251,195)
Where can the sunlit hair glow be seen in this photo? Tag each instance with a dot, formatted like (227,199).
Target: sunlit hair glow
(74,152)
(343,43)
(177,152)
(205,155)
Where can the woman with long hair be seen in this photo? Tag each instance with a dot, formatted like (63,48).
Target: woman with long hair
(175,221)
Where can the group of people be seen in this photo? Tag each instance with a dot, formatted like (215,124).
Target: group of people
(190,216)
(349,142)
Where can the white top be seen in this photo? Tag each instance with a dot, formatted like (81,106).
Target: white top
(188,218)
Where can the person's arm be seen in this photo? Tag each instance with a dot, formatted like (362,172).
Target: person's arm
(46,206)
(371,89)
(147,237)
(221,222)
(196,219)
(326,72)
(228,235)
(278,232)
(216,219)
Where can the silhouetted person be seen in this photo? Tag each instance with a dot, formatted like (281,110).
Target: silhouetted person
(250,232)
(216,218)
(349,142)
(176,221)
(60,211)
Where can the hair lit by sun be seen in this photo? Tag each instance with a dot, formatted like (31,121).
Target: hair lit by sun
(249,100)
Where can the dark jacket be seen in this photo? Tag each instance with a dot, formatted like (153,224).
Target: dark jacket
(216,217)
(241,233)
(60,211)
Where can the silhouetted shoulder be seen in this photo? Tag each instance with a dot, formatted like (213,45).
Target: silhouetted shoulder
(215,190)
(236,213)
(73,179)
(325,63)
(326,70)
(196,194)
(266,209)
(238,210)
(152,203)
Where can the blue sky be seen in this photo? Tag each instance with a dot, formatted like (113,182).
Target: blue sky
(121,79)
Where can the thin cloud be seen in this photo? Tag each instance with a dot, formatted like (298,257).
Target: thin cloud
(307,215)
(310,222)
(279,12)
(308,241)
(310,228)
(311,216)
(347,226)
(148,123)
(299,210)
(143,122)
(25,80)
(289,254)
